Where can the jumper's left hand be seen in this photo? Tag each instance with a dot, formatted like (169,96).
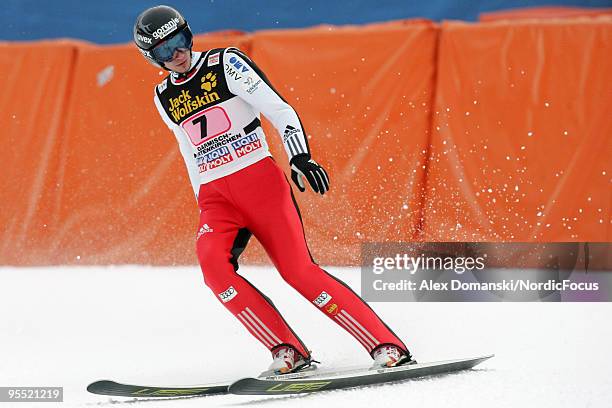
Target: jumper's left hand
(303,166)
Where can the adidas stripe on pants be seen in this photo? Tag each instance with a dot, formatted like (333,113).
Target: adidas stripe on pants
(258,200)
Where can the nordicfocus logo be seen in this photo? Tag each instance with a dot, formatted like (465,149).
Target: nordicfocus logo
(322,299)
(144,39)
(166,29)
(228,295)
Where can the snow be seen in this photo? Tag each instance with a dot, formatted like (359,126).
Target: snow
(69,326)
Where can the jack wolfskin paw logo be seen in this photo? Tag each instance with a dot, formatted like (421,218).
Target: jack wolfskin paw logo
(209,81)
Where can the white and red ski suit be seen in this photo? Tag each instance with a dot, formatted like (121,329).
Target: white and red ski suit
(214,112)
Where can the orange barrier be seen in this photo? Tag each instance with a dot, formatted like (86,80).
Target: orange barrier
(521,145)
(543,12)
(35,81)
(366,110)
(93,176)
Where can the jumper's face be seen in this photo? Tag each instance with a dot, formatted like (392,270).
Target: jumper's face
(180,62)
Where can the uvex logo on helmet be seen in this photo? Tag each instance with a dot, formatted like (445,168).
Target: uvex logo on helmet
(166,29)
(145,53)
(144,39)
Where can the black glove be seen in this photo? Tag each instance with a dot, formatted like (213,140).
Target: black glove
(303,166)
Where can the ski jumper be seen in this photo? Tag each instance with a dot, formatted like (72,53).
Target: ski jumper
(214,112)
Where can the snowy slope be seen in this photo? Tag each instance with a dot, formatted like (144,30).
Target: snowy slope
(68,326)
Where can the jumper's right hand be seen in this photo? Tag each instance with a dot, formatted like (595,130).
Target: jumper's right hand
(303,166)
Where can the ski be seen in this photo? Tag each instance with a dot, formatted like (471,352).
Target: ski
(112,388)
(296,383)
(348,378)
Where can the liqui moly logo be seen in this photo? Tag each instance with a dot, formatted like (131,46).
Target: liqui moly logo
(247,144)
(166,29)
(214,159)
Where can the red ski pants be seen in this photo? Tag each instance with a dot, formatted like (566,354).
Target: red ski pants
(259,200)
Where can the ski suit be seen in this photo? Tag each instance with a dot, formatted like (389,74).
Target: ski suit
(214,112)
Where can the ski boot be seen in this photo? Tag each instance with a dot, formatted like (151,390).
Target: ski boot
(287,360)
(388,355)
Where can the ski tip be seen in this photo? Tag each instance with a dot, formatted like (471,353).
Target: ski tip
(96,386)
(478,360)
(115,389)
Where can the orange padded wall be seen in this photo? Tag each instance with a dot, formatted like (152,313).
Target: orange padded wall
(476,132)
(364,96)
(521,147)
